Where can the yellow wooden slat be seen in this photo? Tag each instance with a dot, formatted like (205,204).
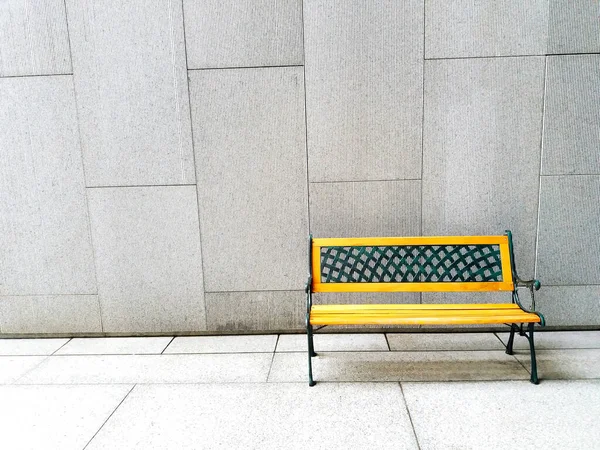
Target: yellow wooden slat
(426,312)
(418,306)
(415,240)
(316,266)
(424,320)
(505,262)
(413,287)
(368,319)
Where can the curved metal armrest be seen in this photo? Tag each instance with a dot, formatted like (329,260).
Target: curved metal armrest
(530,284)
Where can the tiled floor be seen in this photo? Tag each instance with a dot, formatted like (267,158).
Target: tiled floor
(427,391)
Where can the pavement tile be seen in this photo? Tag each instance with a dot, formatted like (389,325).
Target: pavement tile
(564,364)
(223,344)
(548,340)
(55,417)
(13,367)
(151,369)
(501,415)
(115,346)
(398,366)
(28,347)
(346,342)
(444,341)
(260,416)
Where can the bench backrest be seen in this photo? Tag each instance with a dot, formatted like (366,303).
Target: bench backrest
(392,264)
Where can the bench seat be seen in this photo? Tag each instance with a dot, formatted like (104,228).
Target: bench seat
(417,314)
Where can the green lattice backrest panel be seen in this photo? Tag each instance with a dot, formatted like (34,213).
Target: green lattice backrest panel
(408,263)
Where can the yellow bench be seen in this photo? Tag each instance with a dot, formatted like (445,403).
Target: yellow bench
(419,264)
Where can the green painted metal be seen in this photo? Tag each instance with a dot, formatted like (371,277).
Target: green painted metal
(532,285)
(423,263)
(534,376)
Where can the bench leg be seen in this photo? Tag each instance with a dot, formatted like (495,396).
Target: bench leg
(311,352)
(511,338)
(529,336)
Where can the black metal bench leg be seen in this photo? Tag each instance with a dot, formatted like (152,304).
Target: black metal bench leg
(511,338)
(311,352)
(534,375)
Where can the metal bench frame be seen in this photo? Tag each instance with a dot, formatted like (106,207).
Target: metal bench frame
(418,264)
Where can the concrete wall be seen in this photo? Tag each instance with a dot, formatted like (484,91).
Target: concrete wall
(162,162)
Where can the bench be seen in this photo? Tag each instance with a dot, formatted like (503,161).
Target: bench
(419,264)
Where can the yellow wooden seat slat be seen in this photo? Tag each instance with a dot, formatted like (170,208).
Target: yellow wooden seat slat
(413,320)
(420,314)
(419,306)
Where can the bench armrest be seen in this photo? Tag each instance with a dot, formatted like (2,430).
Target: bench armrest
(532,285)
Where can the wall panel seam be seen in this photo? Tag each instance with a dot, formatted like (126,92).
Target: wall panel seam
(195,168)
(539,202)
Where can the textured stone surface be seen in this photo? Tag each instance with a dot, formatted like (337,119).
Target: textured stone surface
(375,208)
(574,27)
(569,305)
(482,149)
(24,347)
(48,314)
(444,341)
(552,340)
(465,28)
(57,417)
(568,242)
(553,415)
(571,115)
(115,346)
(261,311)
(251,160)
(88,369)
(364,72)
(44,228)
(230,33)
(333,342)
(148,258)
(342,298)
(223,344)
(260,416)
(398,366)
(14,367)
(564,364)
(467,297)
(33,38)
(132,95)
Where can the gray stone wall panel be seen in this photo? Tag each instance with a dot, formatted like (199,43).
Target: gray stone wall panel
(574,26)
(572,115)
(364,83)
(33,38)
(374,208)
(45,245)
(251,161)
(132,95)
(148,256)
(569,233)
(233,33)
(50,314)
(464,28)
